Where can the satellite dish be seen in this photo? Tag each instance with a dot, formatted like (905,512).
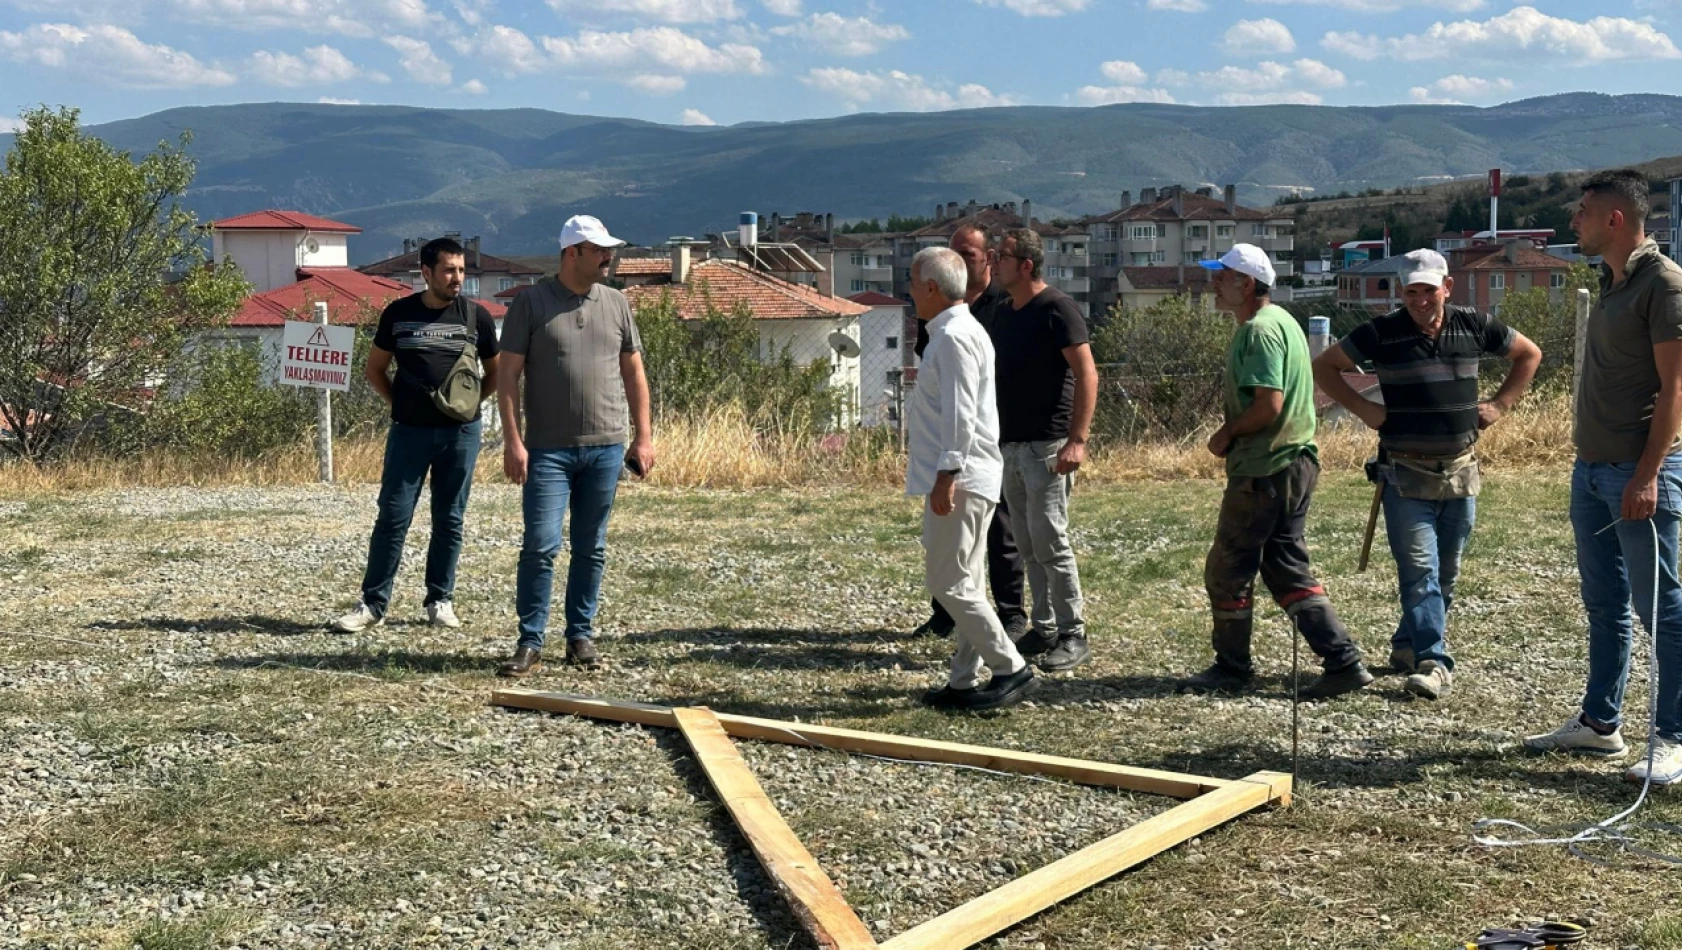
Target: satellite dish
(312,245)
(844,345)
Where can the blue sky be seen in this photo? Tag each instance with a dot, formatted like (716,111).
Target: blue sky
(727,61)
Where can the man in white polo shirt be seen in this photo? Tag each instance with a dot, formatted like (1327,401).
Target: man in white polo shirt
(954,460)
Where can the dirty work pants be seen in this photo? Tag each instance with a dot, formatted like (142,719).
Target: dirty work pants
(1261,528)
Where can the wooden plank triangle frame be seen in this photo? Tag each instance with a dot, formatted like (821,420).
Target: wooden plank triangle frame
(819,904)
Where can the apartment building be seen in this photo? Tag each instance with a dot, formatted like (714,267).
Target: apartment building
(487,274)
(1148,250)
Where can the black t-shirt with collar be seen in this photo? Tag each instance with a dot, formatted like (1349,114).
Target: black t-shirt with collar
(425,344)
(1430,385)
(1035,384)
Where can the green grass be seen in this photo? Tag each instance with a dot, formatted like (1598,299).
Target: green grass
(236,738)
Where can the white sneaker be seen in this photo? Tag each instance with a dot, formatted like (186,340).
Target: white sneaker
(1577,738)
(357,620)
(442,614)
(1667,763)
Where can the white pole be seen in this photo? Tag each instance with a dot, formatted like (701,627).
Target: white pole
(1582,336)
(323,416)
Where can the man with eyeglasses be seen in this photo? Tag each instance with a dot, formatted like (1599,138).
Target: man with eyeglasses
(575,340)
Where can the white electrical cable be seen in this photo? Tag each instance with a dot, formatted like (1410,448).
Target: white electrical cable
(1610,830)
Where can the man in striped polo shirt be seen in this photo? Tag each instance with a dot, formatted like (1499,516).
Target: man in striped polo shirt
(1426,355)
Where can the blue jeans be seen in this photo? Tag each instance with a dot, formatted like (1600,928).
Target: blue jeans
(1615,560)
(449,454)
(1426,538)
(585,478)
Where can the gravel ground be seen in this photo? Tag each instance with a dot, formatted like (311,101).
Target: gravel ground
(188,759)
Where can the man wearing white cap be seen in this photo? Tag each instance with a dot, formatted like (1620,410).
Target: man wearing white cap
(1272,466)
(1426,356)
(586,396)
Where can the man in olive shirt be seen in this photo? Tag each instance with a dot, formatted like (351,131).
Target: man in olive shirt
(1272,465)
(1626,486)
(575,341)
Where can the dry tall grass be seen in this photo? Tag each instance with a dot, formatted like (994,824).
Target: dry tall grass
(722,450)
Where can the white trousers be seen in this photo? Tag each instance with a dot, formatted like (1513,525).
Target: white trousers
(955,567)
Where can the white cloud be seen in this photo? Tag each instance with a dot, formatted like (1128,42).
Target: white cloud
(664,51)
(1298,98)
(319,65)
(899,90)
(1113,95)
(419,61)
(695,117)
(109,54)
(334,101)
(657,85)
(1178,6)
(1039,7)
(1520,33)
(353,18)
(1172,77)
(471,12)
(657,11)
(783,7)
(474,87)
(1129,86)
(9,124)
(1124,72)
(844,36)
(1316,73)
(1457,89)
(1386,6)
(1258,37)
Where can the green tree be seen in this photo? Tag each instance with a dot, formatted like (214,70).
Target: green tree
(102,279)
(1162,369)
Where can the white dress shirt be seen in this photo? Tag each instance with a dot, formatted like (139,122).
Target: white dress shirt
(953,416)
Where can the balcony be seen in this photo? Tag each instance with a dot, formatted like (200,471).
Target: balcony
(1074,285)
(876,274)
(1281,242)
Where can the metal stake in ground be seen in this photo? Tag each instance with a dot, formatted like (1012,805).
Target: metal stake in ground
(323,416)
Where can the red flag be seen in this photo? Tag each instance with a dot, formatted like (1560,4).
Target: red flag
(1495,182)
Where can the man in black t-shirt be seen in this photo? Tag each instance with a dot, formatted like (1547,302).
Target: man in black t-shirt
(1004,564)
(1426,355)
(1048,389)
(425,334)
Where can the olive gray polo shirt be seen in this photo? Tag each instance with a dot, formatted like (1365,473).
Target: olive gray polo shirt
(1620,382)
(575,394)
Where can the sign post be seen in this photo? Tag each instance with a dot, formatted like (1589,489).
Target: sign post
(318,356)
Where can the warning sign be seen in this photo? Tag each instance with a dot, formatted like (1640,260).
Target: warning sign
(316,356)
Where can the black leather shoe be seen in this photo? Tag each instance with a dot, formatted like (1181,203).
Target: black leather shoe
(1347,680)
(1070,652)
(526,660)
(948,698)
(935,627)
(1007,690)
(1016,627)
(582,652)
(1216,679)
(1034,642)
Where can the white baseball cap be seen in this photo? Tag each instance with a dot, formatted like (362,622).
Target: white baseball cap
(582,227)
(1423,266)
(1246,259)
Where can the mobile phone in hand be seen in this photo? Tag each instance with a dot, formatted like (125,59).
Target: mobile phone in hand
(635,465)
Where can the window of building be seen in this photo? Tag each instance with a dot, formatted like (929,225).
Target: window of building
(1107,260)
(504,283)
(1497,281)
(1556,280)
(1107,232)
(1258,230)
(1143,232)
(884,260)
(1197,230)
(1383,285)
(470,286)
(858,285)
(893,343)
(1191,257)
(1225,230)
(1051,247)
(1140,258)
(1077,250)
(861,260)
(1160,256)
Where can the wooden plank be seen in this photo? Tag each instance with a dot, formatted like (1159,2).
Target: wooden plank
(1151,781)
(1031,893)
(816,901)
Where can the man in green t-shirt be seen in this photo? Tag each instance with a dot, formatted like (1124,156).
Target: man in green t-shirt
(1272,466)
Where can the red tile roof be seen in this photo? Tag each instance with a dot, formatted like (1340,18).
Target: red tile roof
(871,298)
(476,264)
(345,290)
(282,221)
(1164,277)
(727,283)
(1492,257)
(642,266)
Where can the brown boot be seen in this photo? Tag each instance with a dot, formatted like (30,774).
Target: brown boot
(526,660)
(582,652)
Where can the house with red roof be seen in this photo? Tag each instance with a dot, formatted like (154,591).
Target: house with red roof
(295,261)
(791,318)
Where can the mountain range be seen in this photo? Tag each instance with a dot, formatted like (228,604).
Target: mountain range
(513,175)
